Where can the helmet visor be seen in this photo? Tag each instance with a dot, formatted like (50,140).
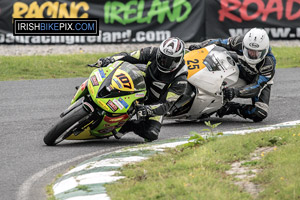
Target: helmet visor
(254,54)
(167,63)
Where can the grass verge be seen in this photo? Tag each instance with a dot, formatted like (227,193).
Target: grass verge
(68,66)
(49,188)
(287,57)
(44,67)
(199,172)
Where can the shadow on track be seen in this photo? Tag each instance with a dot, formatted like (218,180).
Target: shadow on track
(223,121)
(111,142)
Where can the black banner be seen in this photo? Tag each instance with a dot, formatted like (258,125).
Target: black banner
(120,21)
(152,21)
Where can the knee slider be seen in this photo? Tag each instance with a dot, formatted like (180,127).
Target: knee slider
(259,114)
(147,129)
(153,130)
(151,135)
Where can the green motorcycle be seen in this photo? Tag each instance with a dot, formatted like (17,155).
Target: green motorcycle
(102,104)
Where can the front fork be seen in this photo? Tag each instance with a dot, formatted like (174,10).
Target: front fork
(92,119)
(81,91)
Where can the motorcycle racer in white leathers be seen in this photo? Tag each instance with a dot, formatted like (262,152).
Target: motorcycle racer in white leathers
(257,67)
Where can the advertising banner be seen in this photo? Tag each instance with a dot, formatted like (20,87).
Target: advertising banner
(120,21)
(144,21)
(280,18)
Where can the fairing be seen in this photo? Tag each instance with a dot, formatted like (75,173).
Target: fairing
(114,89)
(209,70)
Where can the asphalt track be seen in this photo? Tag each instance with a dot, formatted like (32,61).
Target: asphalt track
(29,108)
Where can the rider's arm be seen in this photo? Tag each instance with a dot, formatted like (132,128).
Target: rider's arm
(174,92)
(266,73)
(141,56)
(231,44)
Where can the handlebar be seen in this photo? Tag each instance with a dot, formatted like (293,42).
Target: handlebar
(92,65)
(96,65)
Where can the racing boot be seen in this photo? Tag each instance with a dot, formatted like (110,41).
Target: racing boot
(256,114)
(127,127)
(230,108)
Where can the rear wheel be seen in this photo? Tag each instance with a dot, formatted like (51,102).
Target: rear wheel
(63,128)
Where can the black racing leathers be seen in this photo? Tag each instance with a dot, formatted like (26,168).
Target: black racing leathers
(163,90)
(259,79)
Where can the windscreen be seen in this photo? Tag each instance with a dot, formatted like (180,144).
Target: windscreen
(125,80)
(213,60)
(135,75)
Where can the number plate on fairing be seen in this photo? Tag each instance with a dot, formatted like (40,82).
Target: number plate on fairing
(194,60)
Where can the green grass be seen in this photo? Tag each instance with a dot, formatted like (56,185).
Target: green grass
(199,172)
(49,188)
(67,66)
(281,176)
(44,67)
(287,57)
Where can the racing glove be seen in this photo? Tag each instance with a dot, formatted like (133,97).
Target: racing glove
(103,62)
(144,111)
(195,46)
(230,93)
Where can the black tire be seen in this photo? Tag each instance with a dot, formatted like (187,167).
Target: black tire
(60,128)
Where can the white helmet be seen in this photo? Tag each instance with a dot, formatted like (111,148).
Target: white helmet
(255,45)
(170,54)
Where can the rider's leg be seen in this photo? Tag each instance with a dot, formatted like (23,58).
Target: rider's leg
(127,127)
(258,111)
(147,129)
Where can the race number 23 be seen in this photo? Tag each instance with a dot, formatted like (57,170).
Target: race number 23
(193,64)
(124,79)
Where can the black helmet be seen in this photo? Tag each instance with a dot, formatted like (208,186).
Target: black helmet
(170,54)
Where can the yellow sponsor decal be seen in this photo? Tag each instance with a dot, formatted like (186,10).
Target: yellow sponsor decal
(122,81)
(91,89)
(50,9)
(103,105)
(85,134)
(194,61)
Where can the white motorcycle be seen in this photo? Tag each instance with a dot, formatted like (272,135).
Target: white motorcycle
(210,70)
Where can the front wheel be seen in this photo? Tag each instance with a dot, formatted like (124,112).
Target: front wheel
(63,128)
